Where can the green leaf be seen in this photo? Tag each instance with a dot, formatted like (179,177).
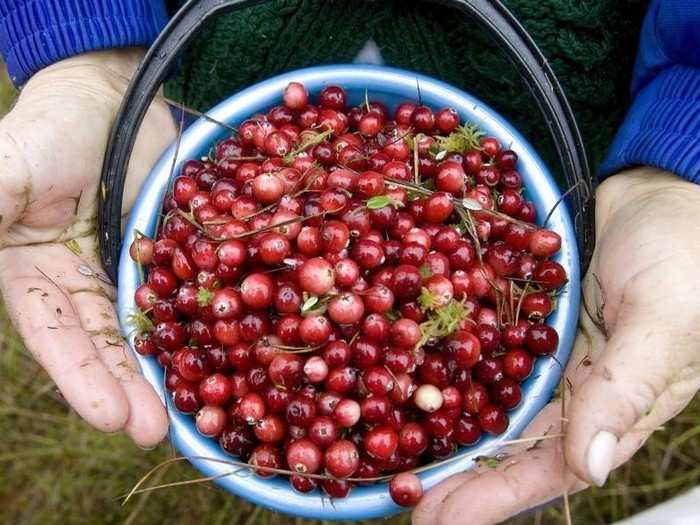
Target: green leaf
(204,297)
(309,304)
(491,462)
(377,202)
(427,300)
(307,142)
(392,315)
(464,138)
(74,247)
(140,322)
(471,204)
(443,321)
(425,271)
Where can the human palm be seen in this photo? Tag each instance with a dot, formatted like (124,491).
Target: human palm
(52,145)
(635,364)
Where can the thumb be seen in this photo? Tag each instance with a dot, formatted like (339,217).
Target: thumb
(644,376)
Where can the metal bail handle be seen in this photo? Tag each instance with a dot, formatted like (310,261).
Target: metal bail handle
(491,14)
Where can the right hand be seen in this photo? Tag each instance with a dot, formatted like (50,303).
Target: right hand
(52,145)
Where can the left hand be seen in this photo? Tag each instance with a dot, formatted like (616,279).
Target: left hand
(52,145)
(635,364)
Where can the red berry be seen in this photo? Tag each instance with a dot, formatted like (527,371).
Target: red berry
(342,459)
(541,339)
(493,419)
(381,442)
(210,420)
(405,489)
(303,455)
(295,95)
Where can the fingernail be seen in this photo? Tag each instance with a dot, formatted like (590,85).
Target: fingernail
(600,456)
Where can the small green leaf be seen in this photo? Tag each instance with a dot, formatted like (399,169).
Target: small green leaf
(491,462)
(204,297)
(459,228)
(427,300)
(425,271)
(309,304)
(74,247)
(392,315)
(380,201)
(441,154)
(140,322)
(471,204)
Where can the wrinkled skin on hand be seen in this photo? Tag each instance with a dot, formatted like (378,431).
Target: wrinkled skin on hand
(635,365)
(52,146)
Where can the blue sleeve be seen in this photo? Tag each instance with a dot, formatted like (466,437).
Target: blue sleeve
(662,126)
(36,33)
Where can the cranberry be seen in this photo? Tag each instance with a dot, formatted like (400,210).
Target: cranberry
(285,370)
(302,484)
(441,448)
(257,291)
(341,380)
(186,398)
(381,442)
(316,276)
(332,97)
(467,430)
(210,420)
(537,305)
(315,330)
(237,441)
(517,364)
(405,333)
(406,282)
(489,338)
(295,95)
(303,455)
(475,398)
(378,381)
(550,274)
(337,354)
(215,390)
(506,393)
(465,349)
(541,339)
(346,308)
(347,413)
(270,429)
(266,456)
(405,489)
(493,419)
(434,371)
(336,488)
(301,411)
(428,398)
(423,119)
(342,459)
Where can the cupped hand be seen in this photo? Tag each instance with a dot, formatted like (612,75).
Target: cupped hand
(635,364)
(52,146)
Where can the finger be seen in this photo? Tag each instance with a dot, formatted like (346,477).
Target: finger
(148,423)
(533,473)
(15,174)
(640,362)
(51,330)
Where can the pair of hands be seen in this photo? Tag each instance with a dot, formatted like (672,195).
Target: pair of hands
(636,362)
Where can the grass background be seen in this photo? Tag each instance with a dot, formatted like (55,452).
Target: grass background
(54,469)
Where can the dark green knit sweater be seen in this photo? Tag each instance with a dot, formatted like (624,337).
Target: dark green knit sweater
(590,43)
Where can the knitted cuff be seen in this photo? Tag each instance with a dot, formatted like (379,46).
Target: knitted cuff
(662,127)
(36,33)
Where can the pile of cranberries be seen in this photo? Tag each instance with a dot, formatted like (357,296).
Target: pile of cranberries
(344,295)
